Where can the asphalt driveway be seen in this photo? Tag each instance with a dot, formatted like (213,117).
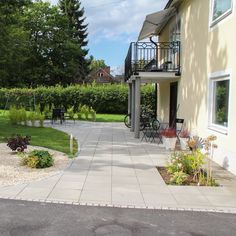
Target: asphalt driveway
(21,218)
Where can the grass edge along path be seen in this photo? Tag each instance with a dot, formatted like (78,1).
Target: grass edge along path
(40,136)
(109,118)
(45,136)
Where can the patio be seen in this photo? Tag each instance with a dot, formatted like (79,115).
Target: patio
(115,169)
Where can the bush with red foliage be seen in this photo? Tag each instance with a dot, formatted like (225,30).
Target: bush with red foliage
(169,133)
(18,143)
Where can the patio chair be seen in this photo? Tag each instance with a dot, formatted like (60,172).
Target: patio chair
(178,126)
(146,130)
(162,127)
(58,113)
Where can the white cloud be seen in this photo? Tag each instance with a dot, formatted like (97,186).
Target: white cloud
(117,19)
(117,70)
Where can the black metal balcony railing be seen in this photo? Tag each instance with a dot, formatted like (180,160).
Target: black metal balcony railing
(148,57)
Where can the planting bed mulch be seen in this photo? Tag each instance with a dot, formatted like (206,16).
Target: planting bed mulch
(12,171)
(166,177)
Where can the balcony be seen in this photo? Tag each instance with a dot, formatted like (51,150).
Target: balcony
(152,57)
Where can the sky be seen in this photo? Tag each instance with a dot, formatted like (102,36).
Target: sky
(113,24)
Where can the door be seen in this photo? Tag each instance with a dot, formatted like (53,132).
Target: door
(173,103)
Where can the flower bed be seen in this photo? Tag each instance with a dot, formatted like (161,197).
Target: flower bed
(188,181)
(191,167)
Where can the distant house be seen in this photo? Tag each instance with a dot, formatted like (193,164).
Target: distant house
(101,76)
(119,79)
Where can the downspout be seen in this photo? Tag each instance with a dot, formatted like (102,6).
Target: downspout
(156,90)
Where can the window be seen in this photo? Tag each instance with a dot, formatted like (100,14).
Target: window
(219,102)
(175,32)
(220,9)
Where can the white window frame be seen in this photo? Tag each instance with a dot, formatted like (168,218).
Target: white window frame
(217,76)
(220,18)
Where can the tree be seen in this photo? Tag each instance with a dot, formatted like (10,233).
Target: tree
(96,64)
(39,45)
(55,55)
(13,42)
(78,31)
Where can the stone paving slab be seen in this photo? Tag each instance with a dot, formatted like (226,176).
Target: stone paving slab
(114,169)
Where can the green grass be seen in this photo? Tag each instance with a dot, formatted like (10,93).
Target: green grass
(109,118)
(44,137)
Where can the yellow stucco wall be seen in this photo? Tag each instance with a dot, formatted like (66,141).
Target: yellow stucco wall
(204,50)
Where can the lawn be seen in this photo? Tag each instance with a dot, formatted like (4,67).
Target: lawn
(109,118)
(45,137)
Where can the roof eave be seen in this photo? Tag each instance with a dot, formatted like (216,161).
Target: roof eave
(168,4)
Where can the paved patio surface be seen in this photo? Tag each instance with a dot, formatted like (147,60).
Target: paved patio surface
(115,169)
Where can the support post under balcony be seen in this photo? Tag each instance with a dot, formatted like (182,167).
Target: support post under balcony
(137,107)
(132,106)
(129,98)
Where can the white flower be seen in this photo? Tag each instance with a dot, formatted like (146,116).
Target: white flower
(179,165)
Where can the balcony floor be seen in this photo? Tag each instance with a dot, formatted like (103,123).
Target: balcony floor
(155,77)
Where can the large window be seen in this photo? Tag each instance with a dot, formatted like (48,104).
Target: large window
(221,8)
(219,102)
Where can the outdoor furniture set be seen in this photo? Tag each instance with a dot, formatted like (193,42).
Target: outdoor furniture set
(162,132)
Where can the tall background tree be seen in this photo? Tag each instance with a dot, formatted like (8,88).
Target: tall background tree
(41,44)
(13,42)
(55,54)
(78,30)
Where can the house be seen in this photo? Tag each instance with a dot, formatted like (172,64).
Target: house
(119,79)
(193,64)
(101,76)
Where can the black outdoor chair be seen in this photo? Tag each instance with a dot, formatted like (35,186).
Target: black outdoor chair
(162,127)
(58,114)
(178,126)
(147,131)
(150,131)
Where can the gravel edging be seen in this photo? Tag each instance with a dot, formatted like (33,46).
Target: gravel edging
(13,173)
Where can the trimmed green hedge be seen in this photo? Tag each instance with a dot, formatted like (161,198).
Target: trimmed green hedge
(111,99)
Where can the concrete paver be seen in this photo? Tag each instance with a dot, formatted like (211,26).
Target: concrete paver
(114,168)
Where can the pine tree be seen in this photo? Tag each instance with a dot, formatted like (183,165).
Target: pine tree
(78,30)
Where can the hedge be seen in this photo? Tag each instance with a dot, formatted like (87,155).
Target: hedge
(111,99)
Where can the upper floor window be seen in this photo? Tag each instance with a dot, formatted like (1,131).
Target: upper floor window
(175,32)
(220,9)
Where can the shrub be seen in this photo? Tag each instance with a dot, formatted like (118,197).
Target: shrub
(32,116)
(184,133)
(85,111)
(31,161)
(13,115)
(18,143)
(70,112)
(180,161)
(111,99)
(179,177)
(39,159)
(79,116)
(40,117)
(169,133)
(93,114)
(46,112)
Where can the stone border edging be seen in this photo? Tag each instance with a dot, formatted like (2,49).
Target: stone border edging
(164,208)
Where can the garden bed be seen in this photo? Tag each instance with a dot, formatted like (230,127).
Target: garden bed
(188,182)
(13,172)
(167,177)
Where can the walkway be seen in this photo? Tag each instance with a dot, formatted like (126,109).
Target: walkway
(115,169)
